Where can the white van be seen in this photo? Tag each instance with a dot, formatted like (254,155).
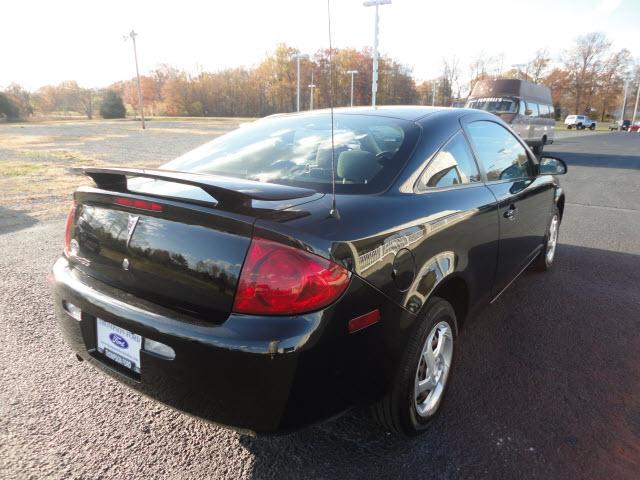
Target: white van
(526,106)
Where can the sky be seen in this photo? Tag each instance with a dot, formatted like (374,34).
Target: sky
(47,42)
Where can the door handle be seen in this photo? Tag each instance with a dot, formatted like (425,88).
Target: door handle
(511,212)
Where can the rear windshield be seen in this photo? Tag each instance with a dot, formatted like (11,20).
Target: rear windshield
(369,151)
(494,104)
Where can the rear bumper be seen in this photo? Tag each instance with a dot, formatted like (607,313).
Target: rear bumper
(255,374)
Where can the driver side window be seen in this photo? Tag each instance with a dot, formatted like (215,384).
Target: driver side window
(501,154)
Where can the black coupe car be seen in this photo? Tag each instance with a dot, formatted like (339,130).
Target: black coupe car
(230,285)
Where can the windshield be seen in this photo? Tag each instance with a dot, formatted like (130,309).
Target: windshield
(494,104)
(369,151)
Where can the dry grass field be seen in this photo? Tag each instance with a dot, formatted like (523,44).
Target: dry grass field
(36,158)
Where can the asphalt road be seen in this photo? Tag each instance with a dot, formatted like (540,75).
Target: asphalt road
(547,383)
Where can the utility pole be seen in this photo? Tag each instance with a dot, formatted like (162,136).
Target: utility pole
(624,101)
(133,36)
(298,57)
(352,73)
(311,87)
(635,109)
(374,77)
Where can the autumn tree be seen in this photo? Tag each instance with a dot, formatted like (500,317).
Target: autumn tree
(609,84)
(584,63)
(557,80)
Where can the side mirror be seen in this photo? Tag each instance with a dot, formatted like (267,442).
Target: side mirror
(551,166)
(528,112)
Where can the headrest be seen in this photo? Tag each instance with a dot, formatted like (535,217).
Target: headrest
(323,158)
(357,166)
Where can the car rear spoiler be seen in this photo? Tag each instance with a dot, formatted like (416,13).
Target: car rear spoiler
(227,191)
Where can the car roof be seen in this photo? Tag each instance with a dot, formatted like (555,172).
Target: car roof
(403,112)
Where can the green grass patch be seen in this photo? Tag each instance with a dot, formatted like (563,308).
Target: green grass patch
(600,127)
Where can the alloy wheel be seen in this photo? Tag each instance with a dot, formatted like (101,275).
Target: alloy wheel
(552,242)
(433,369)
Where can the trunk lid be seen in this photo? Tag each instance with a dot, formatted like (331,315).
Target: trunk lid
(183,253)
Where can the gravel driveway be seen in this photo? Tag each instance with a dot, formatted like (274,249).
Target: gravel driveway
(547,384)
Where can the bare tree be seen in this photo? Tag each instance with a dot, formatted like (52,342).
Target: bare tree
(85,101)
(478,69)
(449,79)
(537,68)
(496,65)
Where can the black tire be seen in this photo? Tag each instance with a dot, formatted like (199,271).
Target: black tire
(592,126)
(542,263)
(397,412)
(569,127)
(579,127)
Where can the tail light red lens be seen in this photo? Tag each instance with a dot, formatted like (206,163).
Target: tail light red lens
(280,280)
(140,204)
(67,229)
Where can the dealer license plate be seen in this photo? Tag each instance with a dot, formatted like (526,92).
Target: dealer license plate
(119,345)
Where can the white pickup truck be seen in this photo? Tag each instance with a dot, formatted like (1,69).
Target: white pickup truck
(580,122)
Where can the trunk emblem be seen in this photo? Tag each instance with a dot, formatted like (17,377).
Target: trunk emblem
(131,226)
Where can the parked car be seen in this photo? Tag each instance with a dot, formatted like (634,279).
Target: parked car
(231,283)
(527,107)
(580,122)
(617,125)
(634,128)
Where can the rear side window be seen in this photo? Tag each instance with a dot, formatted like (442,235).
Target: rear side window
(452,165)
(501,155)
(533,109)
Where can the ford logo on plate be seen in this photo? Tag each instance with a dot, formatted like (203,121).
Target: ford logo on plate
(118,340)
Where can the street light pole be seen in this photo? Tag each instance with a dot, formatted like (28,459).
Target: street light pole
(298,57)
(635,109)
(133,36)
(311,87)
(433,96)
(374,77)
(352,73)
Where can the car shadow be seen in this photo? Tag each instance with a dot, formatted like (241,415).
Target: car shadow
(546,386)
(595,151)
(14,220)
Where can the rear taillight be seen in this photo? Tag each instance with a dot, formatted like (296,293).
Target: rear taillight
(280,280)
(67,230)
